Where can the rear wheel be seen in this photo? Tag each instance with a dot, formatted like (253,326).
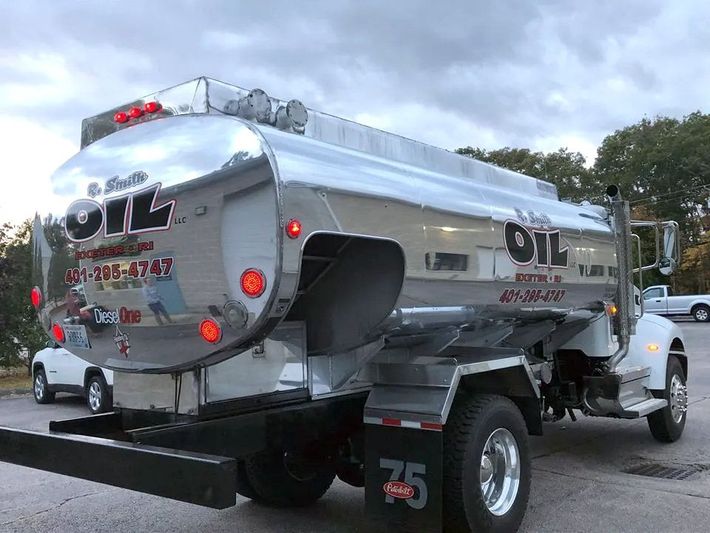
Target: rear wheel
(701,313)
(486,465)
(285,479)
(667,424)
(244,487)
(40,388)
(97,397)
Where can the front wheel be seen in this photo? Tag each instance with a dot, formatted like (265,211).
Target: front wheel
(486,465)
(40,388)
(667,424)
(701,313)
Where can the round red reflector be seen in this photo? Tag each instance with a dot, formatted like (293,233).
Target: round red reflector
(135,112)
(120,117)
(58,332)
(253,283)
(152,107)
(294,228)
(36,297)
(210,331)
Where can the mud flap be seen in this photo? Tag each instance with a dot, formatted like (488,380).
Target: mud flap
(404,477)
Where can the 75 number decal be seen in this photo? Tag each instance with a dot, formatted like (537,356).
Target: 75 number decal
(412,488)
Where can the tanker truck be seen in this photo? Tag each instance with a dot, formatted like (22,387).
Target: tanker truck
(288,297)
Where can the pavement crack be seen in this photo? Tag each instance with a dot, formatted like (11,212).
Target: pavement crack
(52,508)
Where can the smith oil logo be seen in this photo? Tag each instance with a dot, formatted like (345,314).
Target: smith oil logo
(538,246)
(129,214)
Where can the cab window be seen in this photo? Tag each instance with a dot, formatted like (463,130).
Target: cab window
(653,293)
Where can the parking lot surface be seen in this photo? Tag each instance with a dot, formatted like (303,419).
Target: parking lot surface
(579,482)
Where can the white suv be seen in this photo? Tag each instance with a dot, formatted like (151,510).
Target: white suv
(54,369)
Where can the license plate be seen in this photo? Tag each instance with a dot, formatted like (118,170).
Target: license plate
(76,336)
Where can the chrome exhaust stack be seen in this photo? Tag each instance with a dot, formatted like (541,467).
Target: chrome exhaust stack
(626,317)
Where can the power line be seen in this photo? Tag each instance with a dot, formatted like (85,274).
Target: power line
(672,195)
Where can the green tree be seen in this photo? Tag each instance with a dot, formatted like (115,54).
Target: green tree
(663,166)
(19,328)
(566,169)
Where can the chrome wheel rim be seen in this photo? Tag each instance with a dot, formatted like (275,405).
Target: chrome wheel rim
(678,400)
(94,396)
(39,386)
(701,314)
(500,471)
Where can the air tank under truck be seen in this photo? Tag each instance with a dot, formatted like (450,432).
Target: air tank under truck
(288,297)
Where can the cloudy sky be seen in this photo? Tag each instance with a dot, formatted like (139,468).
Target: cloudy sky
(540,74)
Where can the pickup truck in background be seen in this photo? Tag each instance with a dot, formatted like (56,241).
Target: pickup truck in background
(659,300)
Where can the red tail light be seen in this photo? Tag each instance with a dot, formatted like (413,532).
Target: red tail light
(120,117)
(36,297)
(210,331)
(253,283)
(58,332)
(135,112)
(294,228)
(152,107)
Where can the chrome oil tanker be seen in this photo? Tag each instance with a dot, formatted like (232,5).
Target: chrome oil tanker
(195,220)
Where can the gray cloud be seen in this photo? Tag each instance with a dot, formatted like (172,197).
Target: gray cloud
(501,73)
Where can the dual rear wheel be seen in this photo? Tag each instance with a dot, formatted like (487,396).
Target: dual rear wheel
(284,479)
(486,469)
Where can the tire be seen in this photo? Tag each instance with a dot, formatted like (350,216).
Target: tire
(40,388)
(478,422)
(244,486)
(701,313)
(97,397)
(279,485)
(667,424)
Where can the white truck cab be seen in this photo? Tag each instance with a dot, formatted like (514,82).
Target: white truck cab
(55,369)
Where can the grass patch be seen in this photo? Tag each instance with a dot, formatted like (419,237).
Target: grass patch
(15,382)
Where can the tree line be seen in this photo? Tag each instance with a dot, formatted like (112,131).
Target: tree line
(662,165)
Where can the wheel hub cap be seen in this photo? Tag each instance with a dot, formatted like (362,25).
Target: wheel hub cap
(39,387)
(94,396)
(486,469)
(500,471)
(678,398)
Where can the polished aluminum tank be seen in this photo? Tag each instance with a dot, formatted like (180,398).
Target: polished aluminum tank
(155,223)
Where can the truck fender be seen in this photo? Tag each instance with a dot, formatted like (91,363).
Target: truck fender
(696,302)
(656,338)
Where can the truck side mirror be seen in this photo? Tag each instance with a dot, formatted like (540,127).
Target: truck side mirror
(669,261)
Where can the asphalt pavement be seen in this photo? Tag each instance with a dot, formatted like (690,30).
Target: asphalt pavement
(579,483)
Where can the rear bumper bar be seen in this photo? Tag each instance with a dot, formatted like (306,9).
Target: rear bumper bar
(202,479)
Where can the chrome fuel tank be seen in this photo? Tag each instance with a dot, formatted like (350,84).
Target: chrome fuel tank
(157,225)
(499,250)
(142,270)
